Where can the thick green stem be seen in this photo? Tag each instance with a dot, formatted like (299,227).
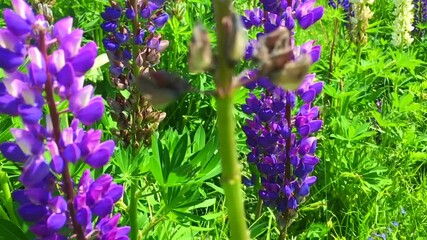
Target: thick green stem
(4,181)
(133,212)
(231,176)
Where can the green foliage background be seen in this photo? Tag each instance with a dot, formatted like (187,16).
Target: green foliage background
(373,168)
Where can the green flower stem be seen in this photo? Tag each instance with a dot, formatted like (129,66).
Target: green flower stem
(231,177)
(4,181)
(133,211)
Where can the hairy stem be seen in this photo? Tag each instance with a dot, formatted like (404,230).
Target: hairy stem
(66,178)
(231,177)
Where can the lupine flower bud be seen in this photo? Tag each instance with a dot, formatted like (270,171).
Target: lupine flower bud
(236,38)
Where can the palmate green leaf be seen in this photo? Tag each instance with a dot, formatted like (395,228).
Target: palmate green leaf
(179,153)
(155,162)
(199,139)
(9,231)
(188,216)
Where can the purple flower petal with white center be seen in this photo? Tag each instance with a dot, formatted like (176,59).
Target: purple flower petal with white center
(29,144)
(70,43)
(62,28)
(13,152)
(92,112)
(34,171)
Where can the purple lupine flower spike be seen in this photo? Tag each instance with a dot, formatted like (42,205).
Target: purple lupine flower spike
(280,137)
(45,201)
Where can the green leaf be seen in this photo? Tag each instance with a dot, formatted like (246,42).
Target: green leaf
(199,139)
(9,231)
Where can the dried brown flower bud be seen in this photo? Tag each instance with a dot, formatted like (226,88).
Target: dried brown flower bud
(200,51)
(236,38)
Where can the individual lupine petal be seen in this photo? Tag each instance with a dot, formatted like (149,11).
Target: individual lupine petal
(153,43)
(38,196)
(56,61)
(70,43)
(161,20)
(84,216)
(29,144)
(13,152)
(71,153)
(10,61)
(23,10)
(130,13)
(66,75)
(318,87)
(57,164)
(110,26)
(31,212)
(101,155)
(309,95)
(56,221)
(103,207)
(315,53)
(85,59)
(85,107)
(111,14)
(115,192)
(311,17)
(20,197)
(30,114)
(307,145)
(121,37)
(15,23)
(85,182)
(139,38)
(37,75)
(34,171)
(90,141)
(92,112)
(111,44)
(58,204)
(62,28)
(107,225)
(266,114)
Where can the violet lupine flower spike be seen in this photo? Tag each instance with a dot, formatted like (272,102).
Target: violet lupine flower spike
(420,16)
(133,46)
(279,136)
(48,196)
